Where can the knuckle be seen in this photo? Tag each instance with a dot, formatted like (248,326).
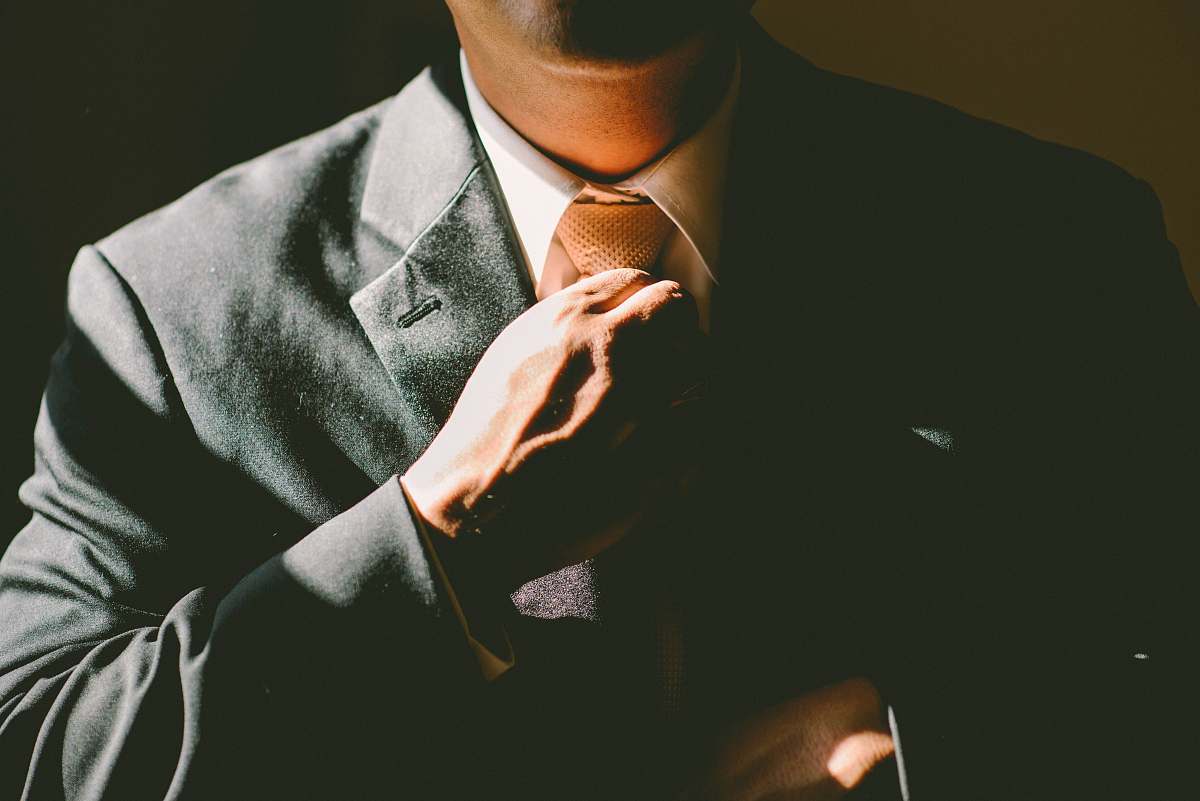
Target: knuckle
(627,275)
(566,310)
(621,278)
(602,342)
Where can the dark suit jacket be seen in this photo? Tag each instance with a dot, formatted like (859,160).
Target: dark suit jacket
(953,377)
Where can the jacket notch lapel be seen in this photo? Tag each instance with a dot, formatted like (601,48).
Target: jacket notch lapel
(460,278)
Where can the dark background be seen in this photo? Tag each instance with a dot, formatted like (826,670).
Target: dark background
(112,109)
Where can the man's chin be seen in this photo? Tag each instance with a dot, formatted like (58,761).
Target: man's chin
(614,31)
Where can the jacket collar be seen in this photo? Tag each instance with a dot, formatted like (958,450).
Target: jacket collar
(423,153)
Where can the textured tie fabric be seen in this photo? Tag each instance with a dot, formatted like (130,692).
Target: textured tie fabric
(670,654)
(619,596)
(604,236)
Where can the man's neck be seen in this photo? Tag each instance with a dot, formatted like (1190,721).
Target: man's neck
(604,122)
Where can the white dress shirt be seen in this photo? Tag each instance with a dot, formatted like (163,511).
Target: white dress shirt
(687,183)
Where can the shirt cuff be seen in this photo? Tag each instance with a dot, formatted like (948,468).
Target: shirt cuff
(494,660)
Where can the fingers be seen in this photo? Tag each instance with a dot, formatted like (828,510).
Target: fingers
(651,300)
(654,339)
(627,295)
(609,289)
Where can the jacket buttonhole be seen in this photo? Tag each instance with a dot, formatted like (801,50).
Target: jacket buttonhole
(421,310)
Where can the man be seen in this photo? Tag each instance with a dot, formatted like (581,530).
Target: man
(626,409)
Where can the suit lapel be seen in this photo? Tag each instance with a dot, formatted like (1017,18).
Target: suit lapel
(459,278)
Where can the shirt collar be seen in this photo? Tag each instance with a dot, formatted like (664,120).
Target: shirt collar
(687,183)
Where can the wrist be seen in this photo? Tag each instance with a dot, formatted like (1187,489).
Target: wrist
(457,535)
(438,502)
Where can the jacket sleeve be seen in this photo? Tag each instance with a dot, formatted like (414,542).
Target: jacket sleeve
(132,666)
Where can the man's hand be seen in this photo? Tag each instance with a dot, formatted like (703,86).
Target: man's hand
(812,748)
(540,455)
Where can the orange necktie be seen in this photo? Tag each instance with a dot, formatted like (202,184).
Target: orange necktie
(604,236)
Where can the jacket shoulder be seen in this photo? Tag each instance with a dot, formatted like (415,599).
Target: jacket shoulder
(965,158)
(250,218)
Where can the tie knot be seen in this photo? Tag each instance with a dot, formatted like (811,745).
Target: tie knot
(604,236)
